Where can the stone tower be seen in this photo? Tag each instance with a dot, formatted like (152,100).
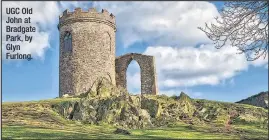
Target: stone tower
(87,49)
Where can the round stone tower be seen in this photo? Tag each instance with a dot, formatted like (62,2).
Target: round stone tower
(87,49)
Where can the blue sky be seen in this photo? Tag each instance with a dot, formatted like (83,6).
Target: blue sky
(186,60)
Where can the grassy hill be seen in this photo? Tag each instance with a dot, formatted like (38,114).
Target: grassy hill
(171,117)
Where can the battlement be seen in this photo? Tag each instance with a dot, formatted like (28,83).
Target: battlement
(92,15)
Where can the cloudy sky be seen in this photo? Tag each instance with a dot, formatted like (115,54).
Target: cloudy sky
(185,59)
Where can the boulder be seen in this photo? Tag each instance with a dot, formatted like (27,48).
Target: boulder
(151,105)
(122,131)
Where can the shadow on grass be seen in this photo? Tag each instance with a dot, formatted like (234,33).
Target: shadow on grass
(183,132)
(102,132)
(25,132)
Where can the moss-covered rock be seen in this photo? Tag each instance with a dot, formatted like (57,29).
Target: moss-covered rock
(153,106)
(139,111)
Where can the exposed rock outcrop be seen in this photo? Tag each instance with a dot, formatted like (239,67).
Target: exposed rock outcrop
(107,104)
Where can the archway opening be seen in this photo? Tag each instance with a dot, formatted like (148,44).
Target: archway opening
(133,76)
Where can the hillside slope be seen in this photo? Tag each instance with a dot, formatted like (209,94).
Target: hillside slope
(260,100)
(144,116)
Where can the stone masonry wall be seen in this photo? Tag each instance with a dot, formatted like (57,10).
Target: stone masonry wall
(147,68)
(93,50)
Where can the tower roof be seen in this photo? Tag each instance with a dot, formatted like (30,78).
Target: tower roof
(92,15)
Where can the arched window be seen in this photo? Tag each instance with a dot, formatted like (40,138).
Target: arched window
(68,42)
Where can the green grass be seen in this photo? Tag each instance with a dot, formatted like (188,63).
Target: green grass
(103,131)
(75,130)
(37,120)
(48,101)
(252,131)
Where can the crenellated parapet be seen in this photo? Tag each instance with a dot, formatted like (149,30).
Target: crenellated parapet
(92,15)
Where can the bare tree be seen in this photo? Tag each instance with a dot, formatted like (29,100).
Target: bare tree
(244,25)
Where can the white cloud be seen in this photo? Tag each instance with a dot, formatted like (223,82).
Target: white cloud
(190,66)
(44,18)
(133,83)
(161,23)
(261,61)
(166,24)
(133,78)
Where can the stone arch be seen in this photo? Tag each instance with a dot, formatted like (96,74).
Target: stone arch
(147,69)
